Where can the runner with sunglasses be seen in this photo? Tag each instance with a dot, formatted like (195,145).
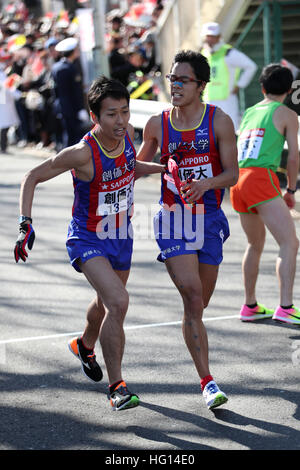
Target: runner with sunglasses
(191,227)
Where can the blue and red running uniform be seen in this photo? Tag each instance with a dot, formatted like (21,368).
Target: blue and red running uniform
(205,232)
(103,207)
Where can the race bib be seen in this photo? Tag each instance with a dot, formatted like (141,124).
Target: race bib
(200,171)
(250,142)
(113,202)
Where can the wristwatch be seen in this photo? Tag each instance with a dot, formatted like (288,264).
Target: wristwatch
(291,191)
(24,218)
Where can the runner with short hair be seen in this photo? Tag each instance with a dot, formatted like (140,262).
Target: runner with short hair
(99,242)
(257,195)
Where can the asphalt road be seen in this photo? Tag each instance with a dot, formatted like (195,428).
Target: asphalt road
(46,403)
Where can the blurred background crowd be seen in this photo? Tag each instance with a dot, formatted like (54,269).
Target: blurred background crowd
(41,69)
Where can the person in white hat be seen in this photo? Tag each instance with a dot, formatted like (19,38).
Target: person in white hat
(69,89)
(230,71)
(67,45)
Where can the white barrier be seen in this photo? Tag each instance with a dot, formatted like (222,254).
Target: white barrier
(142,110)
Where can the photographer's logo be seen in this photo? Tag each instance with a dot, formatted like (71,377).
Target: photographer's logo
(296,94)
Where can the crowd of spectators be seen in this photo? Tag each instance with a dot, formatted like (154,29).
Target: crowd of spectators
(30,114)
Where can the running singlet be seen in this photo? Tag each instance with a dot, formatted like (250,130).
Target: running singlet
(202,158)
(110,192)
(259,143)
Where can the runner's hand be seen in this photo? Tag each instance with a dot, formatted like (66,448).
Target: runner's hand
(195,189)
(26,237)
(289,200)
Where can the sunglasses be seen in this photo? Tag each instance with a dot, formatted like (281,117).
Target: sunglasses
(182,79)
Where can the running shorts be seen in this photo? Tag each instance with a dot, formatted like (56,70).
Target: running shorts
(174,242)
(254,187)
(83,245)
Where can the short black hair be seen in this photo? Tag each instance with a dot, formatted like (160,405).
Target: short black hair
(276,79)
(197,61)
(102,88)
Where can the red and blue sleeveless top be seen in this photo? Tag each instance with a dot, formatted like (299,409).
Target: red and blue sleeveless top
(202,158)
(110,192)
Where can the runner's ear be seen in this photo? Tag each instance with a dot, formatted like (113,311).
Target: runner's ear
(93,117)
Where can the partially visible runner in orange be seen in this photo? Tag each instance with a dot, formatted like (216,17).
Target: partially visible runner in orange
(257,195)
(254,187)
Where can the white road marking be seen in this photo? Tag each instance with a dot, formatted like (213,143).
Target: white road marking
(129,327)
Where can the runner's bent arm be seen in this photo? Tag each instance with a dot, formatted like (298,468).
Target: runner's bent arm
(291,134)
(151,139)
(226,141)
(72,157)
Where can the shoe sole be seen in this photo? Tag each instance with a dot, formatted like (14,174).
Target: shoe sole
(82,364)
(287,320)
(218,401)
(257,317)
(132,403)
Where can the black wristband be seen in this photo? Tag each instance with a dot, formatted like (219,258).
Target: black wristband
(291,191)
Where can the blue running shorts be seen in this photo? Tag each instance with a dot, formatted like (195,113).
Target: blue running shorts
(83,244)
(207,233)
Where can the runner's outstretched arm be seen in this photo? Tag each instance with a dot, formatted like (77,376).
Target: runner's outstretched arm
(147,168)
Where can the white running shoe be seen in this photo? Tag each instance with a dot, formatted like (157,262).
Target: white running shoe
(213,396)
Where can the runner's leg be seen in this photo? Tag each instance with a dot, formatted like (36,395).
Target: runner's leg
(208,274)
(255,231)
(95,315)
(112,294)
(277,218)
(184,272)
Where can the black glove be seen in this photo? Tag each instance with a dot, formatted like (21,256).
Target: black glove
(26,237)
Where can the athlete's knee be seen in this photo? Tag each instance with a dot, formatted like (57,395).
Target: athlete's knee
(193,298)
(256,246)
(295,246)
(120,304)
(292,244)
(117,304)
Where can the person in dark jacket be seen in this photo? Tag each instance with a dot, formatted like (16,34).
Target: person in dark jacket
(69,90)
